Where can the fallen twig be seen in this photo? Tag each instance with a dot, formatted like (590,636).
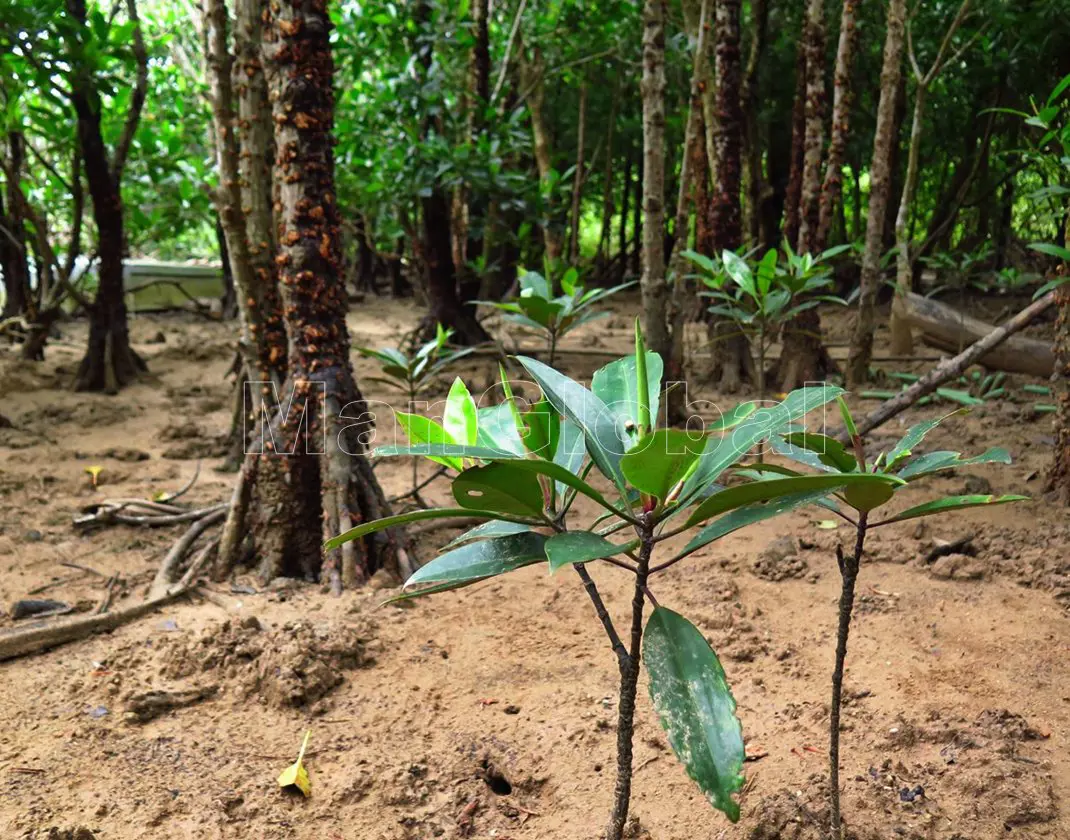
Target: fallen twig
(952,367)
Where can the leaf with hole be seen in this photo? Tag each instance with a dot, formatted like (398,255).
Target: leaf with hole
(690,693)
(500,487)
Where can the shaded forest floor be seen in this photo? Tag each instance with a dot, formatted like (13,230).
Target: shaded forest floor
(490,713)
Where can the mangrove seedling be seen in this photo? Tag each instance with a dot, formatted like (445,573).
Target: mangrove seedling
(524,478)
(830,456)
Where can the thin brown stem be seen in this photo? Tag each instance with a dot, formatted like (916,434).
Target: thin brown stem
(849,574)
(629,680)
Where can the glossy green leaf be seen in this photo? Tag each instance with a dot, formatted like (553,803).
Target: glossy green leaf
(459,417)
(734,417)
(690,693)
(501,487)
(617,386)
(943,460)
(422,430)
(867,497)
(587,411)
(660,461)
(574,547)
(741,517)
(915,435)
(950,503)
(431,590)
(720,454)
(482,559)
(829,450)
(773,488)
(542,429)
(486,531)
(497,429)
(403,519)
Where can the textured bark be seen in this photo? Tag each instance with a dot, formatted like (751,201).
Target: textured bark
(110,362)
(625,198)
(325,492)
(1058,477)
(793,193)
(730,351)
(256,149)
(814,134)
(752,144)
(803,356)
(655,292)
(880,173)
(699,15)
(842,97)
(607,182)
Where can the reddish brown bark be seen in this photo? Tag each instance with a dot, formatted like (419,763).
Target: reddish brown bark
(842,97)
(793,193)
(814,133)
(329,483)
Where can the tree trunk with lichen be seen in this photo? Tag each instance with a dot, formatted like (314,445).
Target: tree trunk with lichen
(318,444)
(842,96)
(803,357)
(732,363)
(752,145)
(1058,478)
(880,176)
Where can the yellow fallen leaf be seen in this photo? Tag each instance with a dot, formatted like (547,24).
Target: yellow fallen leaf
(827,524)
(94,473)
(296,775)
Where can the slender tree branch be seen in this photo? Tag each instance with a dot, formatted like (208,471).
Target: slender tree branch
(603,616)
(504,69)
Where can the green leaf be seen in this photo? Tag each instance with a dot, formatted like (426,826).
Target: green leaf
(829,450)
(542,426)
(422,429)
(482,559)
(690,693)
(500,487)
(459,416)
(403,519)
(720,454)
(734,417)
(497,429)
(430,590)
(915,435)
(1052,250)
(741,517)
(950,503)
(587,411)
(660,461)
(867,497)
(574,547)
(774,488)
(616,385)
(944,460)
(486,531)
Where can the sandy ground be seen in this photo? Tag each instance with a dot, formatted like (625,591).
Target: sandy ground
(490,713)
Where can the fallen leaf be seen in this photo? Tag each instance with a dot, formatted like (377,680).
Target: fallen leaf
(94,474)
(827,524)
(296,775)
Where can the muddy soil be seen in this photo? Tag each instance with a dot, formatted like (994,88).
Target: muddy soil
(490,713)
